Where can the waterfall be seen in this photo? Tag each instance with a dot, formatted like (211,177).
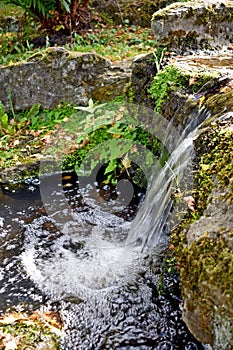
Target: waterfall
(148,226)
(94,249)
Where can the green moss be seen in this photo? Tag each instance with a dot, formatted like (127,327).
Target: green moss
(207,276)
(30,335)
(216,163)
(214,148)
(175,77)
(206,265)
(207,14)
(7,9)
(211,261)
(165,81)
(129,94)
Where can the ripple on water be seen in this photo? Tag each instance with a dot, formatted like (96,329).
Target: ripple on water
(79,256)
(104,291)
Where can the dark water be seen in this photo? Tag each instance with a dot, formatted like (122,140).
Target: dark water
(105,292)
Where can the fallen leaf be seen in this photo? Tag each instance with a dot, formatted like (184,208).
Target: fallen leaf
(53,318)
(11,318)
(190,201)
(126,162)
(133,149)
(192,80)
(205,167)
(116,136)
(11,342)
(16,143)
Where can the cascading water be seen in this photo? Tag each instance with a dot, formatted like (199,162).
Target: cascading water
(148,226)
(93,264)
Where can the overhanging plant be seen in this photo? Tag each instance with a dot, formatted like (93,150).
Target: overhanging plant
(54,15)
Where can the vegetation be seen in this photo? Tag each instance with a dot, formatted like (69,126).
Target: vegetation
(27,132)
(165,81)
(172,78)
(115,42)
(104,133)
(206,264)
(54,15)
(21,331)
(112,42)
(110,134)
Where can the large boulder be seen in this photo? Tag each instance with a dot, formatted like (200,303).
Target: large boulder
(194,24)
(57,75)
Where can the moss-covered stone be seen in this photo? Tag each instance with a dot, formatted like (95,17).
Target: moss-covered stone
(194,24)
(14,176)
(205,249)
(57,75)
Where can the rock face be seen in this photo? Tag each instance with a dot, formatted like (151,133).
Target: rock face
(59,75)
(207,259)
(143,71)
(194,24)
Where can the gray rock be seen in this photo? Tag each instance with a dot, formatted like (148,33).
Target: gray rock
(204,24)
(207,269)
(217,215)
(57,75)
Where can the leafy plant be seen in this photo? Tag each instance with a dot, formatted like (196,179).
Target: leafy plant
(69,15)
(26,131)
(106,134)
(109,135)
(165,81)
(113,42)
(6,125)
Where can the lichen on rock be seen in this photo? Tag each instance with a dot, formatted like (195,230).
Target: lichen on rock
(194,24)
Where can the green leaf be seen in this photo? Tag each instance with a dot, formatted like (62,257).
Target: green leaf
(4,120)
(66,5)
(90,108)
(33,111)
(149,158)
(111,166)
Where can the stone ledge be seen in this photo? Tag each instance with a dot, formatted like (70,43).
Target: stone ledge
(57,75)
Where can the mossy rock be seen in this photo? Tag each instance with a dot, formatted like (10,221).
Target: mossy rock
(56,75)
(194,24)
(206,253)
